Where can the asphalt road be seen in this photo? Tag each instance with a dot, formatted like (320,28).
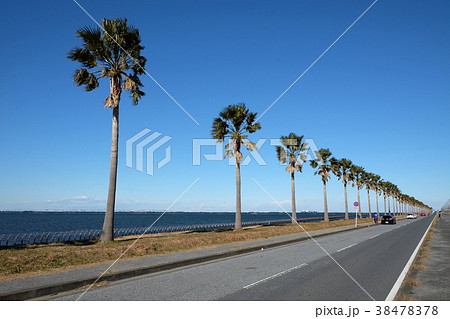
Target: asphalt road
(361,265)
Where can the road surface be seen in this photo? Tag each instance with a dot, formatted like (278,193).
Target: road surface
(358,265)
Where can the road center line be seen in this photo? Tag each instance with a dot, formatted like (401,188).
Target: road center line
(274,276)
(346,247)
(374,236)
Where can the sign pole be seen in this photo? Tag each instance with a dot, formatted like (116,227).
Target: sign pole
(356,205)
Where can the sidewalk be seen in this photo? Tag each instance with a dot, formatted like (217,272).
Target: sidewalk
(435,279)
(28,288)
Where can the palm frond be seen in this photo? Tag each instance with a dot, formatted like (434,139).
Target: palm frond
(114,53)
(235,121)
(219,129)
(84,56)
(249,145)
(229,153)
(290,169)
(86,78)
(133,84)
(281,154)
(92,41)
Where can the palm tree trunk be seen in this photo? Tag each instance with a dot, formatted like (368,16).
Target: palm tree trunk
(368,201)
(359,201)
(108,223)
(393,205)
(325,203)
(294,211)
(238,220)
(378,210)
(385,212)
(346,202)
(389,205)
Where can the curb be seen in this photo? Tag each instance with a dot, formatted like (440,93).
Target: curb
(26,294)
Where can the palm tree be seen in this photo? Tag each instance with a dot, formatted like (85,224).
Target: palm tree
(403,200)
(367,180)
(323,165)
(390,190)
(236,122)
(387,191)
(341,168)
(376,187)
(394,194)
(292,151)
(113,53)
(357,172)
(385,188)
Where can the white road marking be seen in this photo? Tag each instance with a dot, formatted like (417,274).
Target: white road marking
(398,283)
(274,276)
(346,247)
(374,236)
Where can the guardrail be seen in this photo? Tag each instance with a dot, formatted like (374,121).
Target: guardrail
(20,240)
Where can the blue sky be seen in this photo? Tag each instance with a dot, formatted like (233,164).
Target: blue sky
(379,97)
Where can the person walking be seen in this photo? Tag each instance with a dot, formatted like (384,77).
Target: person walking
(375,218)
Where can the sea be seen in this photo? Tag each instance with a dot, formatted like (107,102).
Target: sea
(15,222)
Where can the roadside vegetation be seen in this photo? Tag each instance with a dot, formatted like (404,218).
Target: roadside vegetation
(405,293)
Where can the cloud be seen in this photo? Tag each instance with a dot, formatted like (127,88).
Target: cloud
(80,197)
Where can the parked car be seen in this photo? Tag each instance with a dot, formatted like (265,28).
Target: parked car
(411,216)
(388,219)
(423,214)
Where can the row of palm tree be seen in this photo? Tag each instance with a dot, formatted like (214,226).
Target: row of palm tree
(113,52)
(347,172)
(237,122)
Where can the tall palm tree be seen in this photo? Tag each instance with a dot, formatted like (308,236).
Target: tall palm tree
(357,172)
(367,179)
(402,203)
(387,191)
(385,188)
(394,194)
(390,191)
(236,122)
(341,168)
(113,54)
(323,165)
(292,151)
(376,187)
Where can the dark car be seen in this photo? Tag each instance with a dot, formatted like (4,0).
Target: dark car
(388,220)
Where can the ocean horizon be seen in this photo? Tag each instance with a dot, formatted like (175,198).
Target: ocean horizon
(17,222)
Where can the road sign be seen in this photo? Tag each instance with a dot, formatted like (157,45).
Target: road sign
(356,204)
